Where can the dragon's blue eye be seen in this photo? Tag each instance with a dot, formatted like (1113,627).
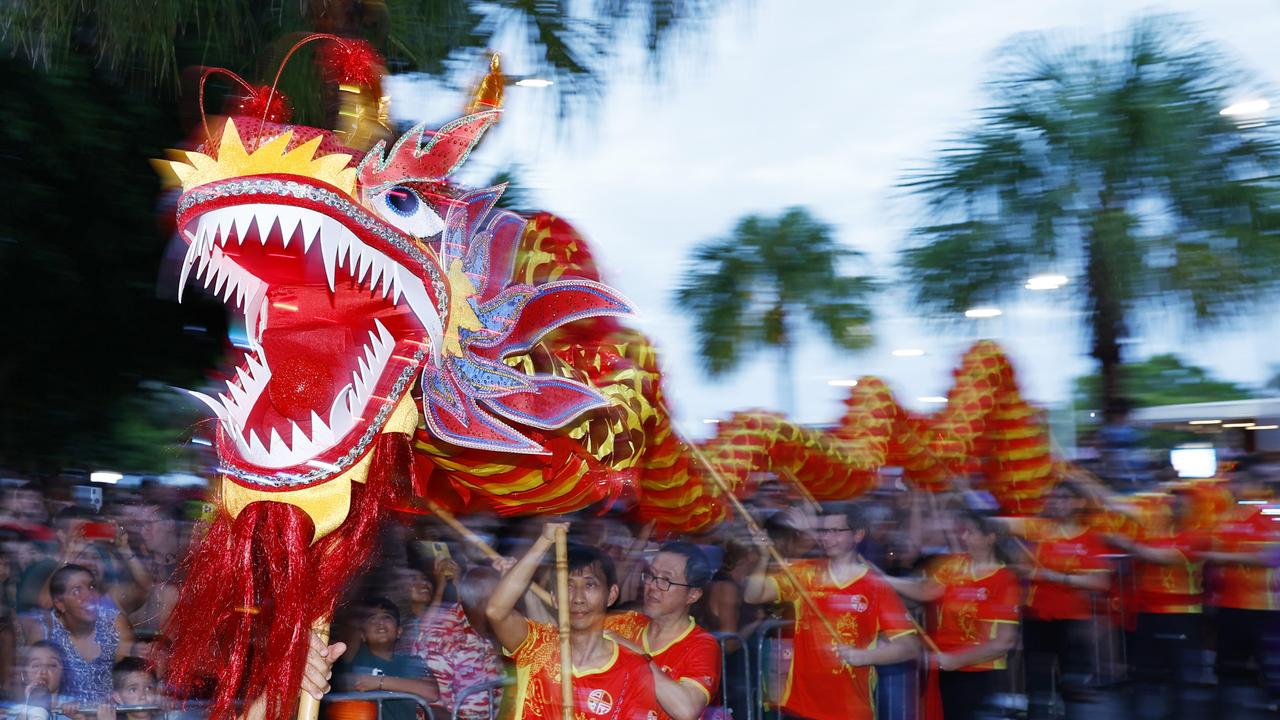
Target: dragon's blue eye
(403,208)
(402,201)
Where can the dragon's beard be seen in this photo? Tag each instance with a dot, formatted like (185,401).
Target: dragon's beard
(336,330)
(257,582)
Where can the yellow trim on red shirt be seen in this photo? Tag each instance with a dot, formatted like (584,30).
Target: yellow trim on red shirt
(603,668)
(644,638)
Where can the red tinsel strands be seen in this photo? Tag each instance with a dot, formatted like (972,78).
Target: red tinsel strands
(352,62)
(261,575)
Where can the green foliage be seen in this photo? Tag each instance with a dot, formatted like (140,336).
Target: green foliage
(88,99)
(749,290)
(1161,380)
(80,253)
(1113,164)
(149,42)
(517,197)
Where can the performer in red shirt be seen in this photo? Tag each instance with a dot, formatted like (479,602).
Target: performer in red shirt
(1067,571)
(609,681)
(1169,573)
(685,658)
(973,617)
(1246,593)
(834,677)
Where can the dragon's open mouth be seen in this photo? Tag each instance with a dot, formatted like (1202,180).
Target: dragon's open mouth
(338,324)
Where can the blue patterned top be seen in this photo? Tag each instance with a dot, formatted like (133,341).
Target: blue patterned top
(86,680)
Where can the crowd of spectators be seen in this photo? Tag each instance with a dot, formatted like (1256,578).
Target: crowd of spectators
(87,585)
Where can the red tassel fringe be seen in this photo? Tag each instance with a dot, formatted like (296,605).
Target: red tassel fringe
(256,584)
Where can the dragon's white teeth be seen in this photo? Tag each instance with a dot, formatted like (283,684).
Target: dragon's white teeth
(241,393)
(221,273)
(387,282)
(214,405)
(288,218)
(396,290)
(279,451)
(256,449)
(244,221)
(375,271)
(383,333)
(226,221)
(416,295)
(310,223)
(346,244)
(362,265)
(232,274)
(340,416)
(330,233)
(298,437)
(193,250)
(321,435)
(213,270)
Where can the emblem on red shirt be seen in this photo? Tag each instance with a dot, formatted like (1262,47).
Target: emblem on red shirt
(599,701)
(858,603)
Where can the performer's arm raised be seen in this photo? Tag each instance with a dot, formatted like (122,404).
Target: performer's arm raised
(508,623)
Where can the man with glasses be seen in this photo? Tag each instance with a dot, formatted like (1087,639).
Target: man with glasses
(834,677)
(685,658)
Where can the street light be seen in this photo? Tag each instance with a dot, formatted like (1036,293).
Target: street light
(908,352)
(933,399)
(1245,108)
(1046,282)
(534,82)
(842,383)
(983,312)
(105,477)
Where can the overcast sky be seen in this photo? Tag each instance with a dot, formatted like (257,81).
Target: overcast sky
(826,106)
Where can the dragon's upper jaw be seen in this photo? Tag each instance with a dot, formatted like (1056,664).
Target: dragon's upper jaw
(339,318)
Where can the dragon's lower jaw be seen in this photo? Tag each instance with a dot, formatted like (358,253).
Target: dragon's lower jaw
(328,503)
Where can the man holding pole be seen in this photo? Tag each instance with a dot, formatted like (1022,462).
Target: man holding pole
(685,658)
(608,681)
(833,677)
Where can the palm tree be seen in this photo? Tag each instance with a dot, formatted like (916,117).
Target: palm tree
(1115,164)
(753,288)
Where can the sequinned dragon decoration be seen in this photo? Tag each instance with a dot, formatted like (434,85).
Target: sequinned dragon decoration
(407,339)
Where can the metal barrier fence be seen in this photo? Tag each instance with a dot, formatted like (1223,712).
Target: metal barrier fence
(742,651)
(379,697)
(489,686)
(759,694)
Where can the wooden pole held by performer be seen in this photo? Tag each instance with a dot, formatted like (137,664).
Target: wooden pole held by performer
(562,607)
(309,707)
(478,542)
(777,557)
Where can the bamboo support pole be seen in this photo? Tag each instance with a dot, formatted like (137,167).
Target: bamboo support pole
(800,488)
(478,543)
(777,557)
(309,707)
(562,606)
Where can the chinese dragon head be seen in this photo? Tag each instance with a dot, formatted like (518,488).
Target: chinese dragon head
(376,295)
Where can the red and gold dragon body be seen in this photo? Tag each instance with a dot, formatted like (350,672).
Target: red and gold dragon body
(407,338)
